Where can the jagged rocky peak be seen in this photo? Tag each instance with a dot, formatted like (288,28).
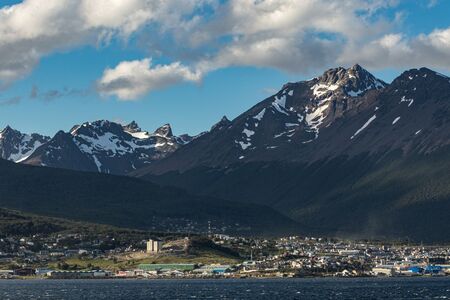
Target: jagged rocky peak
(224,122)
(184,139)
(132,127)
(60,136)
(419,76)
(352,82)
(165,131)
(17,146)
(8,130)
(97,128)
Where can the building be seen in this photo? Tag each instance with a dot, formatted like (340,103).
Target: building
(6,273)
(386,270)
(166,267)
(78,274)
(42,271)
(213,269)
(154,246)
(24,272)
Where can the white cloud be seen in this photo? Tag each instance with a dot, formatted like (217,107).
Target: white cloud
(200,36)
(35,28)
(132,79)
(399,51)
(281,34)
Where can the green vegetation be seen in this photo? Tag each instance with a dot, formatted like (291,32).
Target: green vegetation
(123,201)
(200,251)
(70,234)
(17,223)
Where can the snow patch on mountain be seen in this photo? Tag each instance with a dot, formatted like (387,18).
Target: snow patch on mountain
(97,163)
(280,104)
(248,133)
(16,146)
(244,145)
(142,135)
(395,120)
(314,118)
(260,115)
(363,127)
(410,101)
(24,151)
(321,89)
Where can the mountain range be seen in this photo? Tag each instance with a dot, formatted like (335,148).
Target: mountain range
(342,112)
(342,154)
(99,146)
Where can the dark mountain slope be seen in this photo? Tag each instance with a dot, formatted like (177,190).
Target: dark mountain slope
(369,196)
(127,202)
(373,163)
(61,152)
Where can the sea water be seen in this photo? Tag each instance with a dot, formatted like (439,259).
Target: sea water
(316,288)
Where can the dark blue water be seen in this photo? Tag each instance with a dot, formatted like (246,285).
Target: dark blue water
(332,288)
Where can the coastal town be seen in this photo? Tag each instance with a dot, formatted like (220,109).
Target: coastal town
(78,256)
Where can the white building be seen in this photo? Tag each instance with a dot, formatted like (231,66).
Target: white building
(154,246)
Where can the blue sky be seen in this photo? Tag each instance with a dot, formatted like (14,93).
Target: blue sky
(210,60)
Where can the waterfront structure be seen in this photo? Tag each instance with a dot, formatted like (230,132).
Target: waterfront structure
(384,270)
(167,267)
(213,269)
(78,274)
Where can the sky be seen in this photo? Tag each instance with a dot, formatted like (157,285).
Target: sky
(188,63)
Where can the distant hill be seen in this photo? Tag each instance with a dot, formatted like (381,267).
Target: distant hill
(18,223)
(128,202)
(360,197)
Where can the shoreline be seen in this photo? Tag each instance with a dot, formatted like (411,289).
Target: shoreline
(38,278)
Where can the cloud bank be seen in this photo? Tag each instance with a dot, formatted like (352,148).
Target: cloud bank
(132,79)
(35,28)
(200,36)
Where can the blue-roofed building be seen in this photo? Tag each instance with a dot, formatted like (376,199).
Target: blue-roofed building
(434,270)
(213,269)
(416,270)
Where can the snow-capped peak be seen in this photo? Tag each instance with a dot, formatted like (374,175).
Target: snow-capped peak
(352,82)
(316,103)
(134,130)
(17,146)
(109,147)
(164,131)
(132,127)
